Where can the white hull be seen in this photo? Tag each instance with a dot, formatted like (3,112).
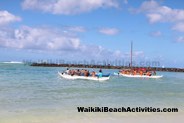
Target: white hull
(66,76)
(139,76)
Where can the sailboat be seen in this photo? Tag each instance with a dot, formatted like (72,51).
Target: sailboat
(129,72)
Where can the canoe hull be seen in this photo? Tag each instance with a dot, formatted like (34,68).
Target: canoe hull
(66,76)
(139,76)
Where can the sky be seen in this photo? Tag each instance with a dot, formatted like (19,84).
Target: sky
(84,30)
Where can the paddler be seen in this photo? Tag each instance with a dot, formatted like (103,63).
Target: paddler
(100,73)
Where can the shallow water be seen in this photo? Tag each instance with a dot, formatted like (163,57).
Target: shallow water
(38,94)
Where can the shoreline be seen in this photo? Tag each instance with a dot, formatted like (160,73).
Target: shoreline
(105,67)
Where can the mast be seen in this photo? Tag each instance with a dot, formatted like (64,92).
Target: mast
(131,55)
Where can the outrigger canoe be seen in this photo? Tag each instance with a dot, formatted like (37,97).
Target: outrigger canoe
(139,76)
(96,78)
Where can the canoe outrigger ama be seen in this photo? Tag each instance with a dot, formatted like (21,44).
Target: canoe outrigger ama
(84,74)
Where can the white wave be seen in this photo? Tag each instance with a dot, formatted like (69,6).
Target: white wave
(13,62)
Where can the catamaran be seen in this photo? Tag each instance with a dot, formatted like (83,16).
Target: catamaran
(137,73)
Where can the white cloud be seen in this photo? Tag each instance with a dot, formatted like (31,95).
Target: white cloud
(138,53)
(68,7)
(6,18)
(118,53)
(38,38)
(180,39)
(135,54)
(109,31)
(125,1)
(179,27)
(53,40)
(156,33)
(154,17)
(157,13)
(76,28)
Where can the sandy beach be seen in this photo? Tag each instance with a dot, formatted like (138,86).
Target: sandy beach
(95,118)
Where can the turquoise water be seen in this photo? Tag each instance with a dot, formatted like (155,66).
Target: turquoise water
(33,93)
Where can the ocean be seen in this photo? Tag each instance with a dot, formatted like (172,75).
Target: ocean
(38,95)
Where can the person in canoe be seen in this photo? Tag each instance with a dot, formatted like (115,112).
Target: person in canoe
(148,73)
(154,72)
(67,71)
(78,72)
(93,74)
(100,73)
(141,72)
(86,73)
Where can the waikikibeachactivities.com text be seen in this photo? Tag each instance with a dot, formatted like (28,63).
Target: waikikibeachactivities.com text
(105,62)
(125,109)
